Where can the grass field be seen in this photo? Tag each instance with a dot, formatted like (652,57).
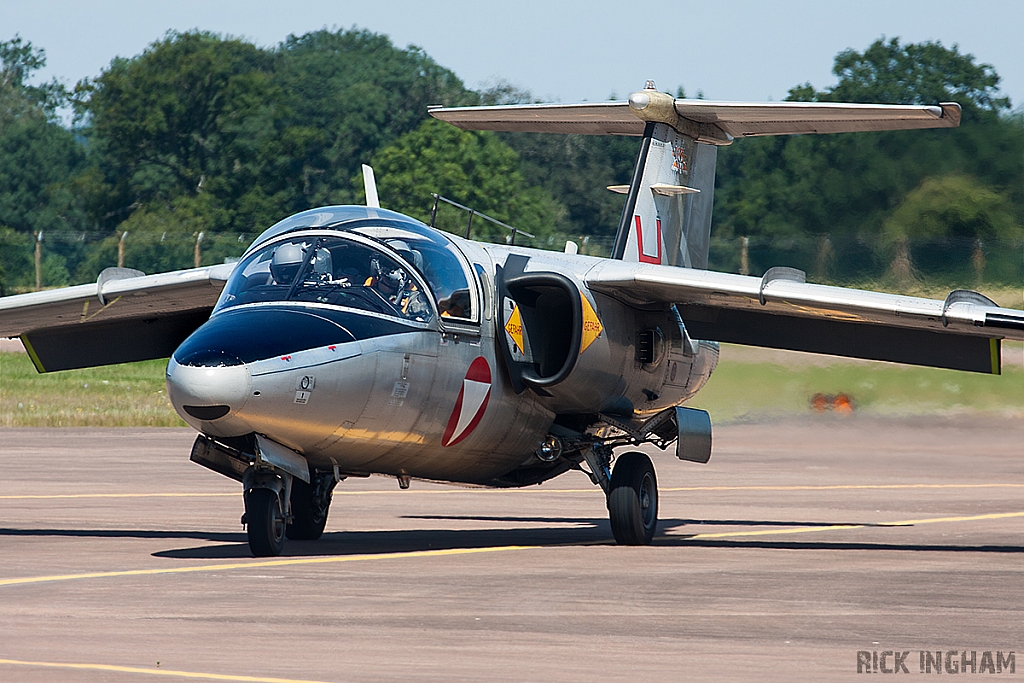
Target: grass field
(749,384)
(127,395)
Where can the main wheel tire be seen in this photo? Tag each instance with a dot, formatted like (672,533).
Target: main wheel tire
(633,500)
(309,517)
(265,522)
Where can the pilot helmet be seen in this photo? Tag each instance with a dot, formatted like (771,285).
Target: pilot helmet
(285,264)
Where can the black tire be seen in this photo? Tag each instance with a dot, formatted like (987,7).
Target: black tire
(309,515)
(633,500)
(265,522)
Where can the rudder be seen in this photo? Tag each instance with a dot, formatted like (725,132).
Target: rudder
(667,216)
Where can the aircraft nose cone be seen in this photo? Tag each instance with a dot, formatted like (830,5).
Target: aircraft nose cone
(207,397)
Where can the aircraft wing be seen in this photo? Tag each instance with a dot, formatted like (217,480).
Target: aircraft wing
(781,310)
(125,316)
(714,122)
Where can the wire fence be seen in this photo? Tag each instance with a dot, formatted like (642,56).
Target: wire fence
(60,258)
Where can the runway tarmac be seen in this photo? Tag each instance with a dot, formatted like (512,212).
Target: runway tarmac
(800,544)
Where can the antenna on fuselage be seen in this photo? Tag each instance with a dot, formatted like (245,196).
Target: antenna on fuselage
(370,185)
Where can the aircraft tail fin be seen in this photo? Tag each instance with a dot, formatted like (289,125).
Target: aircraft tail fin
(667,215)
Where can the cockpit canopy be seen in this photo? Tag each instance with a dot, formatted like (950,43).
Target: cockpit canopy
(388,265)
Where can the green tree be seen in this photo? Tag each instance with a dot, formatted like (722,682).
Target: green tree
(18,60)
(575,169)
(194,113)
(916,73)
(473,168)
(39,160)
(947,225)
(849,185)
(953,206)
(355,92)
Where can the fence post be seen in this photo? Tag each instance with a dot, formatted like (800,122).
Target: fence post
(39,260)
(978,260)
(120,250)
(198,252)
(744,256)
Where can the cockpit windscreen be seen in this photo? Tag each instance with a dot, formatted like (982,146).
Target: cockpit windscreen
(328,270)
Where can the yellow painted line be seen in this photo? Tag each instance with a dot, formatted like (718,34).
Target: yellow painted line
(772,532)
(151,672)
(836,527)
(971,518)
(266,563)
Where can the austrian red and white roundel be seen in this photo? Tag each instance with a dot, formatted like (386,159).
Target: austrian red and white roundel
(471,404)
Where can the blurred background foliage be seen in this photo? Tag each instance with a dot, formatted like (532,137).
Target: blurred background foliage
(209,138)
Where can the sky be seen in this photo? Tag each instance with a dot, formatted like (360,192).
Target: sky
(569,51)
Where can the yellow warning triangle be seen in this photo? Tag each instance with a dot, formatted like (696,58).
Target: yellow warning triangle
(514,327)
(592,327)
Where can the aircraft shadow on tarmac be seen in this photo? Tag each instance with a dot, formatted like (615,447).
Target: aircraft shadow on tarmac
(127,533)
(583,531)
(573,531)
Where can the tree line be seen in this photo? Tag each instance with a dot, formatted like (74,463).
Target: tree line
(185,152)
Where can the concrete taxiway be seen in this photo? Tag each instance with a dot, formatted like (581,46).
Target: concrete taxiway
(801,543)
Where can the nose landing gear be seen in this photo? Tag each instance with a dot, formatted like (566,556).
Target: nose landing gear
(265,522)
(269,518)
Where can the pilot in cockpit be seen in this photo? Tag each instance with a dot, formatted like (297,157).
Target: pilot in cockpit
(393,284)
(286,262)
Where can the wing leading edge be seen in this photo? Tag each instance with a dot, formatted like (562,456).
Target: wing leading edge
(781,310)
(125,316)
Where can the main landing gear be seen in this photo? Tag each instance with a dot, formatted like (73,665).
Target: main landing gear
(633,500)
(278,505)
(632,491)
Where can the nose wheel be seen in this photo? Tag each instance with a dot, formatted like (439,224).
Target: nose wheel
(265,522)
(633,499)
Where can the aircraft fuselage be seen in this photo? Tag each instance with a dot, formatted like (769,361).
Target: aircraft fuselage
(429,396)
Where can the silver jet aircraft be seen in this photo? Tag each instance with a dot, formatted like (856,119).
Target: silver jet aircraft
(353,340)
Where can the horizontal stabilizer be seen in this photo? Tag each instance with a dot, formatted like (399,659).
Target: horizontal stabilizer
(709,122)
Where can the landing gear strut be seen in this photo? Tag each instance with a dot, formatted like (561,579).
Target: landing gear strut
(633,499)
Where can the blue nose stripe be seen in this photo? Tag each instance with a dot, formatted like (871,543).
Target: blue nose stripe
(246,335)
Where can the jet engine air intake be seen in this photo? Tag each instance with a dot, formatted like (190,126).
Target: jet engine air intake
(541,325)
(550,309)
